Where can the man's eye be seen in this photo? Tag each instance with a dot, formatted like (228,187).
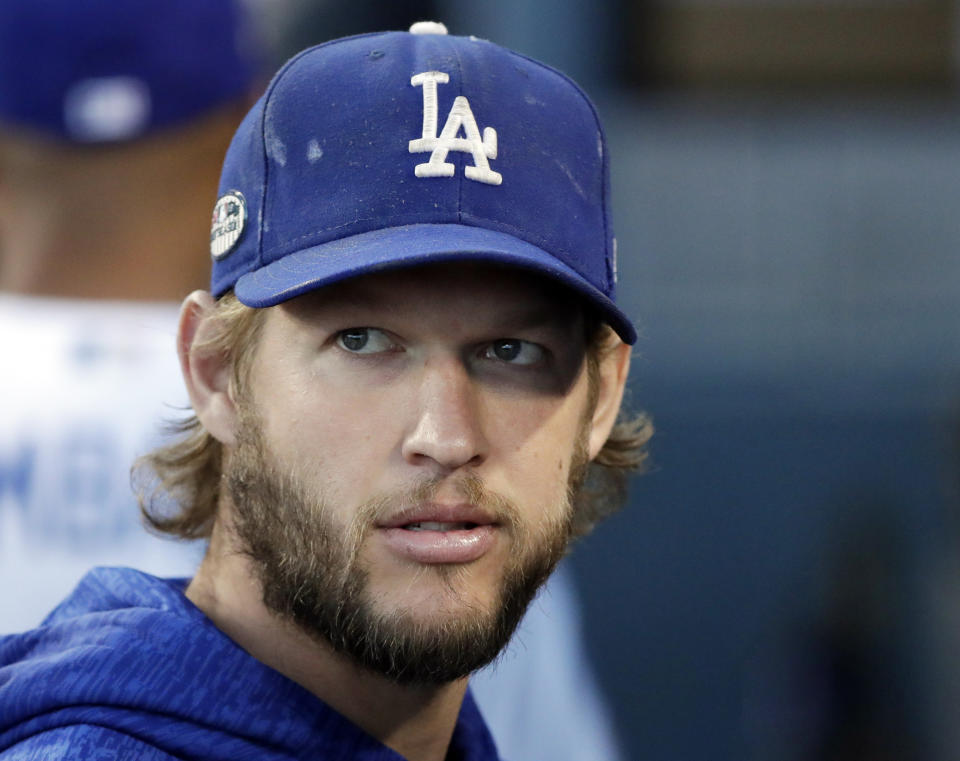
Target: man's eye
(364,340)
(514,351)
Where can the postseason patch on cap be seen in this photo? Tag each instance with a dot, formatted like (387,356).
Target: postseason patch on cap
(226,226)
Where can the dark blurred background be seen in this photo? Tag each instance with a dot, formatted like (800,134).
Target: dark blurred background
(786,177)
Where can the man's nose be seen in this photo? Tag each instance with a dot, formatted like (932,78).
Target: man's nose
(446,429)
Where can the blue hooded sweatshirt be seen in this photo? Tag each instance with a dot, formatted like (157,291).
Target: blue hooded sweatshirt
(128,668)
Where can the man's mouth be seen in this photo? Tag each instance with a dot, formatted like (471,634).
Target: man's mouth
(437,533)
(438,526)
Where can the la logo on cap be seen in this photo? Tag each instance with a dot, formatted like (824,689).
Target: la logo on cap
(460,116)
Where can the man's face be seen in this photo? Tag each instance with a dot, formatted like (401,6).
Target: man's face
(407,448)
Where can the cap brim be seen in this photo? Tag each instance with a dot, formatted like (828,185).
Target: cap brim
(407,246)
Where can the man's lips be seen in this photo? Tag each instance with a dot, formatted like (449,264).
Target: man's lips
(434,534)
(438,517)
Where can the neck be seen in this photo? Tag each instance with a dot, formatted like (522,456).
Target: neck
(119,222)
(417,722)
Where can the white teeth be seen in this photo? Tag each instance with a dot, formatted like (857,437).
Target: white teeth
(435,526)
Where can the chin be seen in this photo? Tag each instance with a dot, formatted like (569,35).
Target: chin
(442,599)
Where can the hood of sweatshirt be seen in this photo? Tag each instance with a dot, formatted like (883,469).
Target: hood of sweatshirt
(128,659)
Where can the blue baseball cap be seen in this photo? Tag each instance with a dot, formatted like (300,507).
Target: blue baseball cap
(101,71)
(403,148)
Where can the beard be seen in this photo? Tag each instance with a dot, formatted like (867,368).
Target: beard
(311,572)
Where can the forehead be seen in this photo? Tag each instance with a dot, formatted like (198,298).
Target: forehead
(467,292)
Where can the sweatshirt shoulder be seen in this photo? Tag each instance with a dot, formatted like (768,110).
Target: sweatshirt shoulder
(130,660)
(82,743)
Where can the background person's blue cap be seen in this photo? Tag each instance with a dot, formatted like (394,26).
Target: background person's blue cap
(100,71)
(397,149)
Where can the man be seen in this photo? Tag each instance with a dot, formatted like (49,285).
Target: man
(406,382)
(114,122)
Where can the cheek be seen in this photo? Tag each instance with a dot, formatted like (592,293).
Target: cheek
(337,440)
(539,440)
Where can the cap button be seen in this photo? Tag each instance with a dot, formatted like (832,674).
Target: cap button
(428,27)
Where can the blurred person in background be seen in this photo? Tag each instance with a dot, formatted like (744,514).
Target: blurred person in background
(114,120)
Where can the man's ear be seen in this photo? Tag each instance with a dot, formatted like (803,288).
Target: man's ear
(206,371)
(613,369)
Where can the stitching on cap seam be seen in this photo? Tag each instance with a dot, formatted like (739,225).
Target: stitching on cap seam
(460,157)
